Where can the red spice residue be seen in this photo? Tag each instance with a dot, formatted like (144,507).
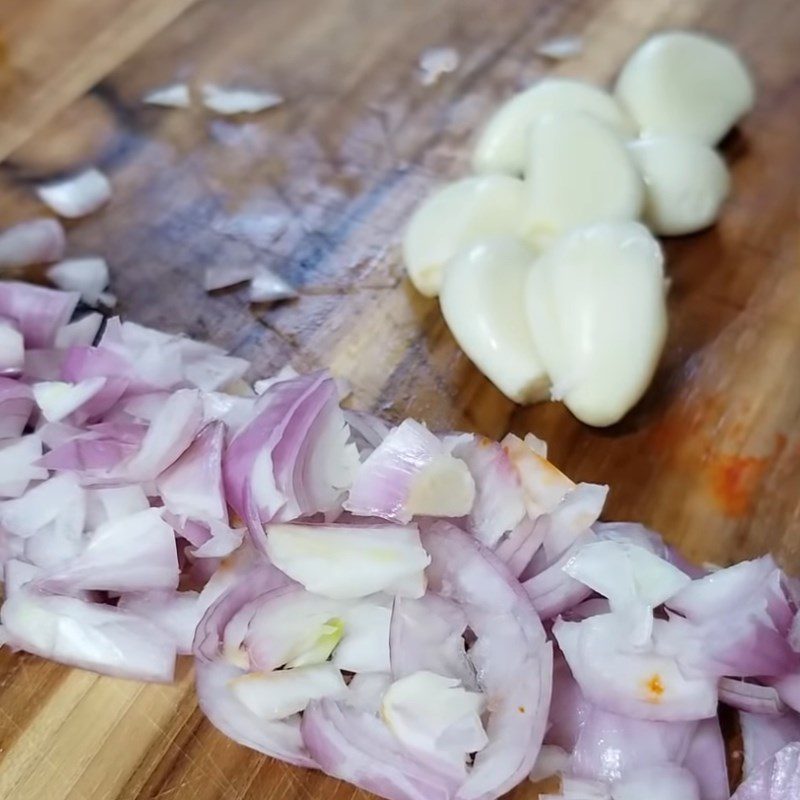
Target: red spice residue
(655,688)
(734,480)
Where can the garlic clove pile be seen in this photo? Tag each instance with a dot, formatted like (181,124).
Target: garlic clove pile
(503,144)
(686,182)
(579,171)
(597,313)
(685,84)
(483,302)
(456,216)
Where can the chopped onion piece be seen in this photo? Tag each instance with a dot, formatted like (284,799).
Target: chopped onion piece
(267,287)
(18,465)
(57,503)
(82,332)
(279,739)
(763,735)
(639,684)
(279,694)
(173,95)
(498,507)
(435,716)
(223,277)
(437,61)
(238,101)
(561,47)
(293,457)
(550,761)
(104,505)
(169,435)
(77,196)
(658,783)
(290,627)
(192,486)
(356,746)
(87,635)
(501,617)
(610,747)
(632,578)
(128,554)
(16,405)
(12,350)
(89,276)
(752,697)
(706,759)
(410,473)
(38,313)
(364,646)
(543,486)
(176,613)
(368,558)
(366,690)
(428,634)
(37,241)
(776,779)
(58,399)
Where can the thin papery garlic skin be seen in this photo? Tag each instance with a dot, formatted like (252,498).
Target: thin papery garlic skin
(453,218)
(688,84)
(686,182)
(597,312)
(483,303)
(503,144)
(579,172)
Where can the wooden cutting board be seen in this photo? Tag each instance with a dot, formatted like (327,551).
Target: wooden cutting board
(319,190)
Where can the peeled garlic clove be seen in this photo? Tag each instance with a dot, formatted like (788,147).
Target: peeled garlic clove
(685,84)
(597,313)
(503,144)
(483,302)
(579,172)
(686,182)
(453,218)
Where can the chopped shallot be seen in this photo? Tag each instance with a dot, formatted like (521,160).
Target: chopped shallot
(267,287)
(435,62)
(367,599)
(89,276)
(561,48)
(77,196)
(223,277)
(222,100)
(38,241)
(174,95)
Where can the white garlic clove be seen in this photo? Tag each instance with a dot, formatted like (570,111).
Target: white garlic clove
(597,313)
(454,217)
(579,172)
(483,303)
(686,183)
(503,143)
(685,84)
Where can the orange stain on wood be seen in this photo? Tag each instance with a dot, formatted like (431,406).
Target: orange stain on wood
(734,480)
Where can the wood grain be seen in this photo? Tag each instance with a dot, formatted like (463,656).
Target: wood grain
(319,190)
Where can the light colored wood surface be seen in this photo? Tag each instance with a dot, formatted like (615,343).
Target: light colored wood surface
(319,190)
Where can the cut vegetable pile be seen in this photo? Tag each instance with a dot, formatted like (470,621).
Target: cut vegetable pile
(430,617)
(546,277)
